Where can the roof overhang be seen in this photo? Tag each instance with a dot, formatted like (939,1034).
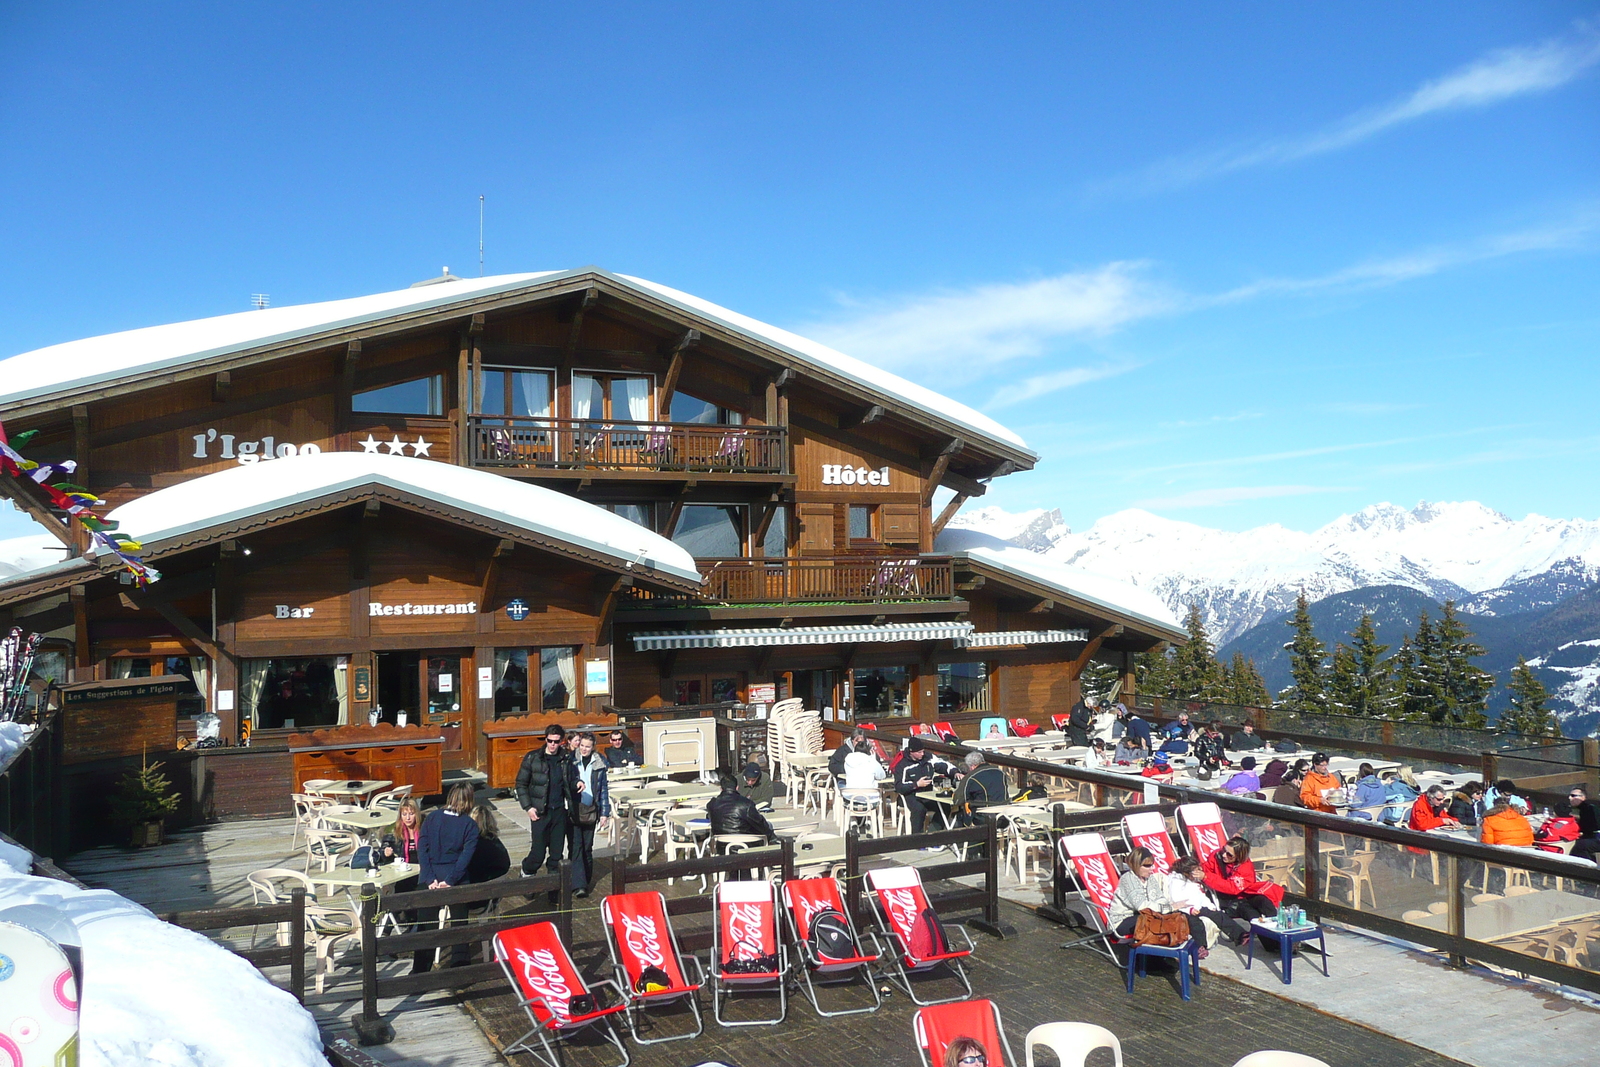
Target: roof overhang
(1012,570)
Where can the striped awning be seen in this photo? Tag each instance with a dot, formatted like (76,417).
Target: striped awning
(1002,638)
(801,635)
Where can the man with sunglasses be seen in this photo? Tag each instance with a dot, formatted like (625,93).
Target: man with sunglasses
(620,752)
(547,787)
(1588,815)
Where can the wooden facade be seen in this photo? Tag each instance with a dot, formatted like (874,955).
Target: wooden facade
(805,494)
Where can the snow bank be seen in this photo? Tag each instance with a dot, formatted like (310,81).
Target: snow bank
(158,995)
(14,859)
(12,737)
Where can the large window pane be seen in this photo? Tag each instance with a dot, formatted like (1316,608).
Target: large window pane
(963,687)
(711,531)
(510,681)
(643,514)
(776,543)
(860,522)
(588,397)
(509,391)
(291,692)
(630,399)
(881,691)
(558,678)
(421,396)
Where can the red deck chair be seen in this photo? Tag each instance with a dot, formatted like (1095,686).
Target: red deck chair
(935,1028)
(945,732)
(803,900)
(1023,728)
(1088,858)
(1203,825)
(1060,721)
(745,950)
(1148,829)
(540,970)
(643,947)
(920,940)
(877,745)
(922,729)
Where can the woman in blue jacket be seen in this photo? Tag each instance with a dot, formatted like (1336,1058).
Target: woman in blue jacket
(444,851)
(1369,792)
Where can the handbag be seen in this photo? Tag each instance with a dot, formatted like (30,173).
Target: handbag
(1164,931)
(588,814)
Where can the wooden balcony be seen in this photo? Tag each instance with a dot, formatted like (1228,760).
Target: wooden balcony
(578,444)
(843,580)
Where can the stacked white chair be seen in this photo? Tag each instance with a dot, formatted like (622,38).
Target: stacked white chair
(776,718)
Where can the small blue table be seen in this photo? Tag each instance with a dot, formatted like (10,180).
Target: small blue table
(1287,939)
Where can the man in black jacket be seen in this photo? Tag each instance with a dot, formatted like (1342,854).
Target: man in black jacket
(730,813)
(915,774)
(1588,815)
(836,761)
(547,785)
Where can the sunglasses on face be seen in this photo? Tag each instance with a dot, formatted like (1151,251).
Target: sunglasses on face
(976,1057)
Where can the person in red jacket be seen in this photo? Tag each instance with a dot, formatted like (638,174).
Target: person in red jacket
(1559,827)
(1230,874)
(1429,811)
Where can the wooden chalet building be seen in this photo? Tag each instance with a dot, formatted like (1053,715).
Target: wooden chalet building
(481,498)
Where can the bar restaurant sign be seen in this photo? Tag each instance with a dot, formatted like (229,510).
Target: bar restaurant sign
(839,474)
(375,609)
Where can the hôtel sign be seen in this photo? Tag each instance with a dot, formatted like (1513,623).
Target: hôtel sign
(840,474)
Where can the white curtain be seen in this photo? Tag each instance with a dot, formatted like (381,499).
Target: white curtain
(252,681)
(638,394)
(583,396)
(535,393)
(201,667)
(341,688)
(558,665)
(121,667)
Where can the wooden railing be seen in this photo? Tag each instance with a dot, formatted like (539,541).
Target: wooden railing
(822,580)
(30,800)
(581,444)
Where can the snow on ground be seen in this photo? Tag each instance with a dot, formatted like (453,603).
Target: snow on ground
(12,735)
(158,995)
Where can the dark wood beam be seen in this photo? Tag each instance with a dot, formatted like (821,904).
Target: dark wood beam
(221,387)
(608,606)
(1041,606)
(969,487)
(940,466)
(491,572)
(786,377)
(78,595)
(849,662)
(759,536)
(669,383)
(864,417)
(764,659)
(948,513)
(590,297)
(1090,649)
(666,661)
(80,443)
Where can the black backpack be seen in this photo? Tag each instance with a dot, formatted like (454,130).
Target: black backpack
(829,937)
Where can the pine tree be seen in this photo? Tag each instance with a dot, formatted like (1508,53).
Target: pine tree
(1152,673)
(1528,714)
(1306,667)
(1466,686)
(1360,684)
(1196,673)
(1098,678)
(1243,683)
(1420,669)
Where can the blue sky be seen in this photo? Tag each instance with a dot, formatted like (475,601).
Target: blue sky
(1235,264)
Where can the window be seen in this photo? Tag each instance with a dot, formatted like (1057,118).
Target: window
(514,391)
(558,679)
(963,687)
(686,408)
(642,514)
(861,516)
(612,397)
(776,542)
(711,531)
(881,691)
(420,396)
(297,693)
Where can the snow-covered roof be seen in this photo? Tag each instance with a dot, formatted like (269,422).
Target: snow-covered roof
(18,555)
(240,492)
(114,356)
(1109,593)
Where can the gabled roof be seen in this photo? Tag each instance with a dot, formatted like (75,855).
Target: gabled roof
(1110,597)
(245,497)
(60,370)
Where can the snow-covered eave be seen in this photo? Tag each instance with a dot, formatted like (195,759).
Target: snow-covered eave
(1039,584)
(452,300)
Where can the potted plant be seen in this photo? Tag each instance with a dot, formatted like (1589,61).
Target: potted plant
(143,801)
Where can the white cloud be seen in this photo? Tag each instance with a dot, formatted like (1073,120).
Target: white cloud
(1499,75)
(1234,494)
(956,335)
(1040,384)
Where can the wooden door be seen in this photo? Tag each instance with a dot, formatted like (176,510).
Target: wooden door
(450,702)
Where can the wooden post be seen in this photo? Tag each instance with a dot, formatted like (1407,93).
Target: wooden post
(787,847)
(619,872)
(370,1028)
(564,916)
(991,877)
(852,877)
(297,944)
(1313,862)
(1457,902)
(1591,764)
(1490,768)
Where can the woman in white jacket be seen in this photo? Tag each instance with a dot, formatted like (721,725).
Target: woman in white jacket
(1186,888)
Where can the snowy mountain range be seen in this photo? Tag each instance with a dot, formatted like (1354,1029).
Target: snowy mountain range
(1530,581)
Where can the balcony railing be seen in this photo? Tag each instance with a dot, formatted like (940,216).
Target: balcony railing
(582,444)
(819,581)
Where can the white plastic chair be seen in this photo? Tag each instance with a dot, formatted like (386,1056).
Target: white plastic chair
(863,808)
(390,798)
(1273,1058)
(1072,1042)
(272,885)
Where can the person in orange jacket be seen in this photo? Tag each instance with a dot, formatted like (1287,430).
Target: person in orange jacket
(1503,824)
(1316,781)
(1428,812)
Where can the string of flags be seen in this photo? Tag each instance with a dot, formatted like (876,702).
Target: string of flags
(54,480)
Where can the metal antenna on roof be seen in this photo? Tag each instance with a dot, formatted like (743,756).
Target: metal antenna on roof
(480,235)
(260,300)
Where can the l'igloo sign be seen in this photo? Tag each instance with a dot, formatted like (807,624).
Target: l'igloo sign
(38,1001)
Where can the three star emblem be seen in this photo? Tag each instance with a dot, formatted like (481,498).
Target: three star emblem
(396,447)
